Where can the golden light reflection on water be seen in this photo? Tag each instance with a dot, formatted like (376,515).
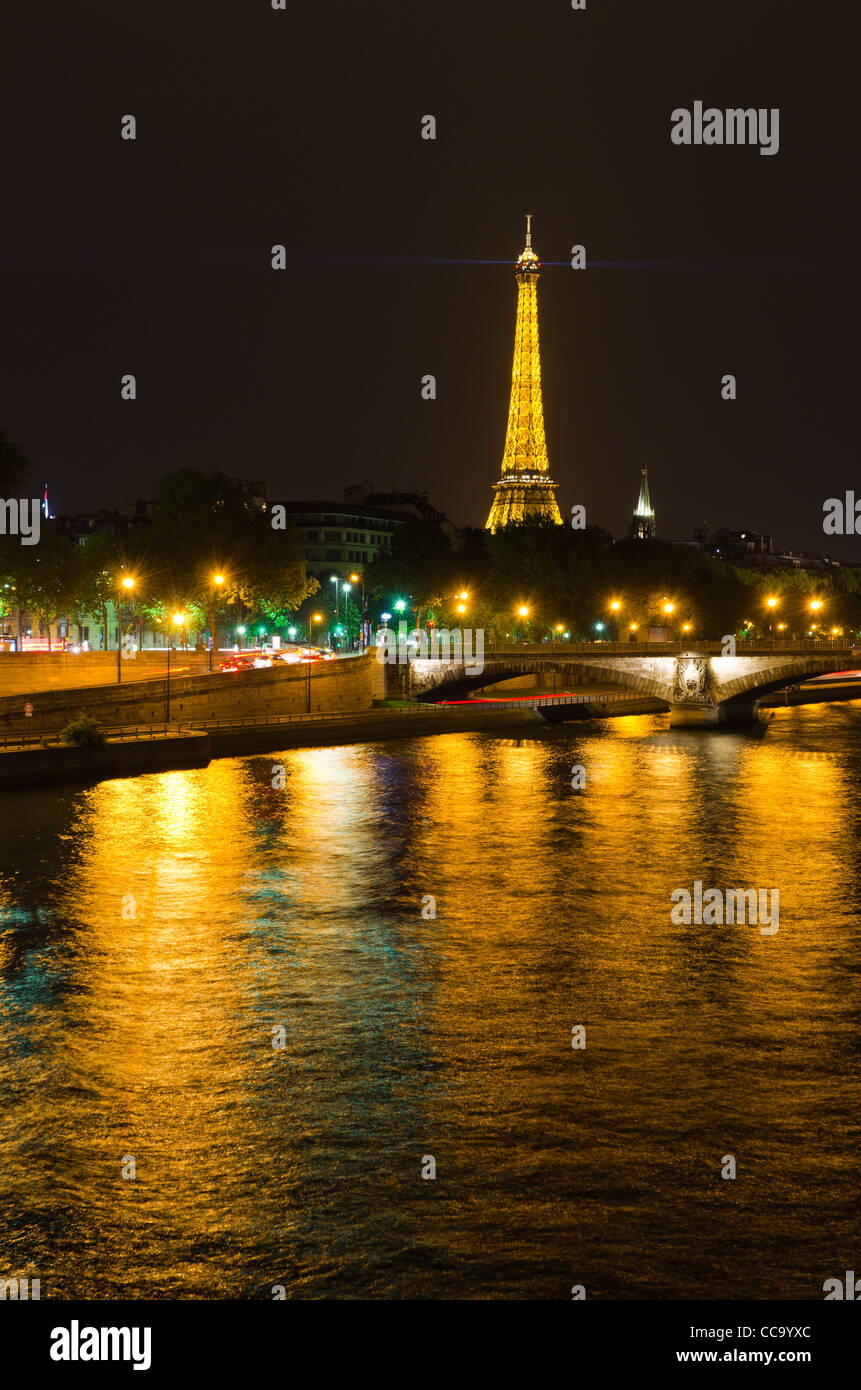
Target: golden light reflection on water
(184,916)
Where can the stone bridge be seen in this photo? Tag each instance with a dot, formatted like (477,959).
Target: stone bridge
(698,683)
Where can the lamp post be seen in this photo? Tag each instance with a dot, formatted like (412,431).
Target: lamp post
(523,613)
(316,618)
(346,591)
(217,581)
(771,605)
(128,584)
(333,579)
(178,620)
(360,579)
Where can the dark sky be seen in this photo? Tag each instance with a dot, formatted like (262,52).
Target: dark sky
(257,127)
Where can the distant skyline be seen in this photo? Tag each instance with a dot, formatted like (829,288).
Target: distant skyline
(152,256)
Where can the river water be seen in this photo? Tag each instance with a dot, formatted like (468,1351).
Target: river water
(154,931)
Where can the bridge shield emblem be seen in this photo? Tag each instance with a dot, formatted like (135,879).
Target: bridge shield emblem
(692,680)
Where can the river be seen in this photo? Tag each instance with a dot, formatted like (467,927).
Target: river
(155,931)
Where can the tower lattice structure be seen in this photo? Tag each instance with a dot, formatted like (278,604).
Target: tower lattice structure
(525,491)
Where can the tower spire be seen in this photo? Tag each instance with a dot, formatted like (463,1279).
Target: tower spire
(643,521)
(525,491)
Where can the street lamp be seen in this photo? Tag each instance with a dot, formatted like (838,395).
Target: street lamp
(128,584)
(179,620)
(217,581)
(522,612)
(333,579)
(315,618)
(346,590)
(360,579)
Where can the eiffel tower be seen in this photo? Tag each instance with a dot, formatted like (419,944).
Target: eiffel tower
(525,491)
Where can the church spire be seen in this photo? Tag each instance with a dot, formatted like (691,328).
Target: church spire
(643,521)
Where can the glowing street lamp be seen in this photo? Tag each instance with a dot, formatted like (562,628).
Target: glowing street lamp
(179,621)
(127,583)
(217,582)
(669,607)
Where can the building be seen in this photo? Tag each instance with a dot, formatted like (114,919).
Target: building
(525,491)
(413,505)
(339,537)
(643,526)
(336,537)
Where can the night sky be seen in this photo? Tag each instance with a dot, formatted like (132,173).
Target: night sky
(256,127)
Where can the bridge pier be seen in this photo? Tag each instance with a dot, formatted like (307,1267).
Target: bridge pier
(713,716)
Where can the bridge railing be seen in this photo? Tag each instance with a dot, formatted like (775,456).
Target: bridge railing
(706,648)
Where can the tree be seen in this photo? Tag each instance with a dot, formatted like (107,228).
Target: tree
(94,580)
(205,524)
(46,577)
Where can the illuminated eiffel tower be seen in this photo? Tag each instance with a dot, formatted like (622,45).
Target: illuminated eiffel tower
(525,491)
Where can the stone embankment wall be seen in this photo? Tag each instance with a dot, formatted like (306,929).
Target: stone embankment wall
(30,672)
(348,685)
